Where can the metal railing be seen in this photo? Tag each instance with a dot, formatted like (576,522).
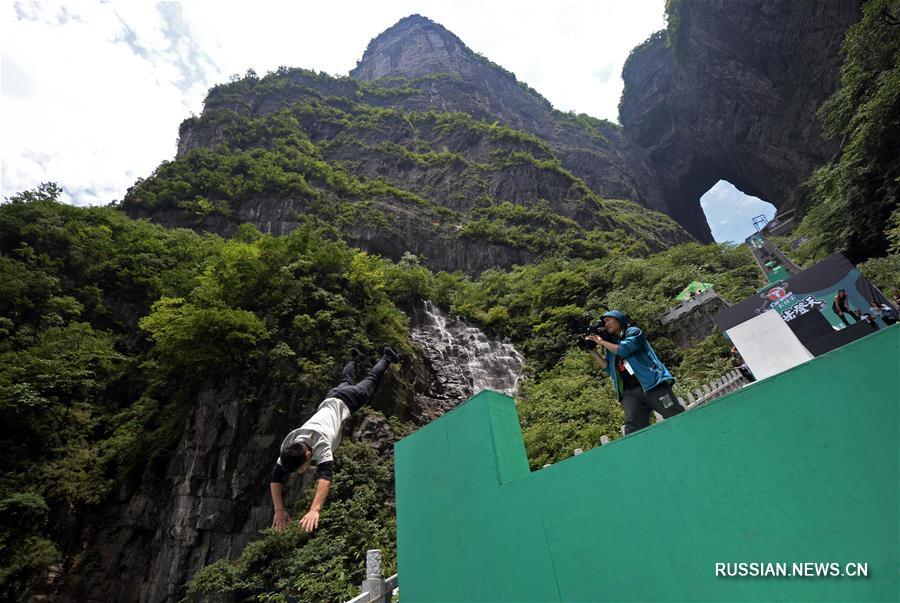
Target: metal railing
(729,382)
(375,588)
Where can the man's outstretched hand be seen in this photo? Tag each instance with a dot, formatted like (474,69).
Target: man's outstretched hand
(281,520)
(310,521)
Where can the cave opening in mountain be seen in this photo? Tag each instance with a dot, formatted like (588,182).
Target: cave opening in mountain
(730,213)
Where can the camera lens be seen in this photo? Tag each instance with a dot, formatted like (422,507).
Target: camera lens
(587,344)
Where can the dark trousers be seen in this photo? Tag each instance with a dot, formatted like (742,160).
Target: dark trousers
(356,395)
(850,314)
(638,405)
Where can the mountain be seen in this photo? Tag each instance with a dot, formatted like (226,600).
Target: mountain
(427,147)
(430,148)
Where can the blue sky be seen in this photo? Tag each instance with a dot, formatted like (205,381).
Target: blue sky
(93,91)
(730,212)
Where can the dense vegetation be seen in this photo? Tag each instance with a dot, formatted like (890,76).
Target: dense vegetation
(854,200)
(113,326)
(328,146)
(544,306)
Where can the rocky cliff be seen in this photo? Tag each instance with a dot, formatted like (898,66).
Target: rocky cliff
(730,92)
(459,140)
(592,149)
(727,92)
(211,499)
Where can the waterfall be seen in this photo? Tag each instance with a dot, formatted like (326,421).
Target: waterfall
(463,356)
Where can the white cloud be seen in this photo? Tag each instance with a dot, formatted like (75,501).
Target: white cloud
(100,102)
(93,92)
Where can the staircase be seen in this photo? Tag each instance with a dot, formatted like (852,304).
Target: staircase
(764,252)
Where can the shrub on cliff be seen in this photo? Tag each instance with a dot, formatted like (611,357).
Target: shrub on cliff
(851,198)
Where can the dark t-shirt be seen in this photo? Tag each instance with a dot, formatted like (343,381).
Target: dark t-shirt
(629,381)
(840,305)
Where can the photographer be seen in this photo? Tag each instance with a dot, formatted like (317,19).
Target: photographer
(642,382)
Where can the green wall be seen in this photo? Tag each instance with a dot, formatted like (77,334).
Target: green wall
(804,466)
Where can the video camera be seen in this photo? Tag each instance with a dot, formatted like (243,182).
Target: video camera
(597,327)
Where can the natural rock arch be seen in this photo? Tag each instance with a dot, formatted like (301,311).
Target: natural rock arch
(730,92)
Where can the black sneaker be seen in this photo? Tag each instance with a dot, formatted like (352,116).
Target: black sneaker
(355,354)
(390,354)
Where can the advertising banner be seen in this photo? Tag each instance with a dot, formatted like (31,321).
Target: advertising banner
(813,291)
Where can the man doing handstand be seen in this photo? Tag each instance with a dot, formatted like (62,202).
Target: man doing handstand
(317,439)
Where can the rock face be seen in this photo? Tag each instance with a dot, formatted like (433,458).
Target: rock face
(414,47)
(210,504)
(593,149)
(407,231)
(692,320)
(731,93)
(424,113)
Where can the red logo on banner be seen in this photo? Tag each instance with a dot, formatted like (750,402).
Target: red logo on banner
(776,294)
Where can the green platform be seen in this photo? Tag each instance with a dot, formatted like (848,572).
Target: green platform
(802,467)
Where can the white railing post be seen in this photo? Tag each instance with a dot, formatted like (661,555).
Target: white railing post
(731,381)
(375,589)
(374,582)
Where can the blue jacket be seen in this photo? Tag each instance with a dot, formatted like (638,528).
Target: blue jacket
(647,367)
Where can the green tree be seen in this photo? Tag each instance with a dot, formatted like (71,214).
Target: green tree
(197,339)
(850,197)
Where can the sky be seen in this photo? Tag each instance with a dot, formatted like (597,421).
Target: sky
(730,212)
(93,92)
